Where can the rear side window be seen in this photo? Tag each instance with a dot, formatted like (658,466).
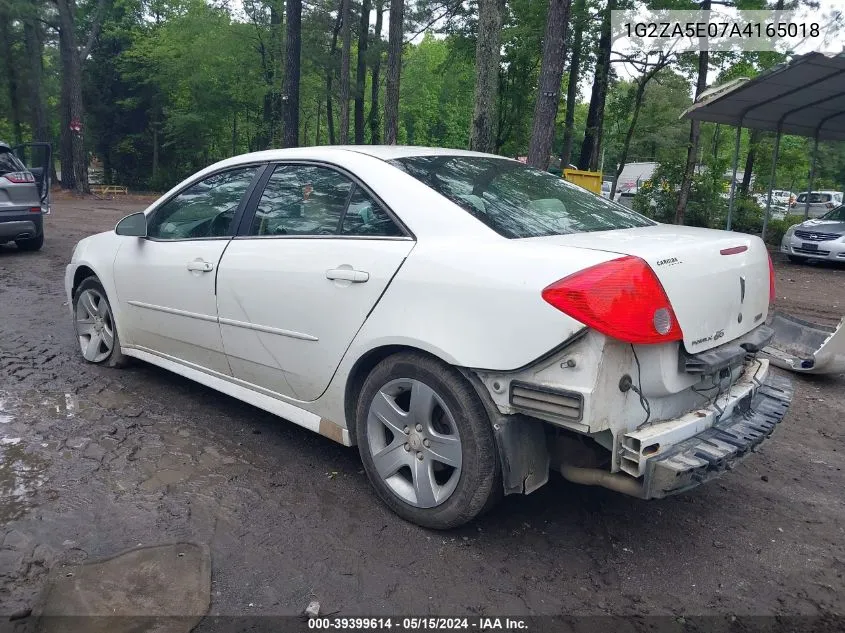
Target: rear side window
(815,198)
(515,200)
(364,216)
(9,162)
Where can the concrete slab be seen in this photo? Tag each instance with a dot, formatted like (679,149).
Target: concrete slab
(161,589)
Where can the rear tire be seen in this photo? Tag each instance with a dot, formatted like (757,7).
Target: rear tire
(31,244)
(426,442)
(94,324)
(795,259)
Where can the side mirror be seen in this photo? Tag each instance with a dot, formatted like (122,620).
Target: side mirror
(134,225)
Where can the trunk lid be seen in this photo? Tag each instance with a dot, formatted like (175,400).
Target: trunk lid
(717,281)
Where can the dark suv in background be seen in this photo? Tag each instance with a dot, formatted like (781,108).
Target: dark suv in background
(24,196)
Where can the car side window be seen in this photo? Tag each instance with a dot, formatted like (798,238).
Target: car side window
(301,200)
(364,216)
(205,209)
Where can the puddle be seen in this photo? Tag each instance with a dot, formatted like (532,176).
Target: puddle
(5,418)
(63,404)
(21,474)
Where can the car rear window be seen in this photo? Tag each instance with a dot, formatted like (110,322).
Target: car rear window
(515,200)
(9,162)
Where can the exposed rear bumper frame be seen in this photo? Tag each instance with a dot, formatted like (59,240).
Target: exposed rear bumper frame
(720,447)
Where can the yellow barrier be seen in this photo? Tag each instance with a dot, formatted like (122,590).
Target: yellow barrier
(104,190)
(590,180)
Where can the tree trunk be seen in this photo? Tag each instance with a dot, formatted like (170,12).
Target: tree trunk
(38,112)
(290,96)
(753,141)
(74,163)
(551,73)
(638,102)
(155,150)
(11,76)
(694,134)
(345,59)
(591,147)
(361,71)
(330,75)
(317,127)
(482,136)
(394,68)
(374,118)
(572,87)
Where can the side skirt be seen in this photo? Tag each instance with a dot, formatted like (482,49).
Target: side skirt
(244,391)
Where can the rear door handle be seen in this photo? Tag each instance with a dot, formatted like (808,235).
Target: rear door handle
(201,266)
(348,274)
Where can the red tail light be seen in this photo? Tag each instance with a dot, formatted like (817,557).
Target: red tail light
(19,177)
(622,298)
(772,294)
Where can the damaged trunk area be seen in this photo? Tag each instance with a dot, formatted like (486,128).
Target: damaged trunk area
(644,420)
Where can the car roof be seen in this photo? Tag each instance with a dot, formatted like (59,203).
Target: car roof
(382,152)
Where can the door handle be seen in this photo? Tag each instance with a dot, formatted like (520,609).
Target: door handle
(348,274)
(201,266)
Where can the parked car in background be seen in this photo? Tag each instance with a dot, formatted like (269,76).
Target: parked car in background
(468,321)
(606,186)
(24,199)
(819,238)
(780,198)
(820,202)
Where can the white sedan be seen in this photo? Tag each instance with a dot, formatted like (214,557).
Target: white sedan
(469,322)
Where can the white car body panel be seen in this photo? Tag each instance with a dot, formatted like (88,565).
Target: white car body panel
(165,306)
(285,326)
(704,286)
(273,331)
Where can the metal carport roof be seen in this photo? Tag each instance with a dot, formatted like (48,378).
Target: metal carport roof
(804,97)
(800,97)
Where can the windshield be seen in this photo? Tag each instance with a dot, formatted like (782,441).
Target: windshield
(9,162)
(515,200)
(838,214)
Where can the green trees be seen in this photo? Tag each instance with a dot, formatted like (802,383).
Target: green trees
(166,87)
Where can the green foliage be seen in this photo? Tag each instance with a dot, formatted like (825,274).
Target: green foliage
(776,228)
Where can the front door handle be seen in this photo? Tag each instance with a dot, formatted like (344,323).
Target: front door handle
(200,266)
(348,274)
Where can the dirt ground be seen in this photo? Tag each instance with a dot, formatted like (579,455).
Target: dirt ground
(94,461)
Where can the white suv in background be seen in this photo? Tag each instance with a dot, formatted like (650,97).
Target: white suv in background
(820,202)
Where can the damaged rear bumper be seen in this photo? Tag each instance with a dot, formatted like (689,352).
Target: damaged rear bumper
(719,448)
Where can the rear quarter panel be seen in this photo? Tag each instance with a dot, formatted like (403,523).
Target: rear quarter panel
(477,304)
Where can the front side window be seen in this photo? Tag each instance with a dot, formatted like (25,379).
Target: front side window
(301,200)
(515,200)
(205,209)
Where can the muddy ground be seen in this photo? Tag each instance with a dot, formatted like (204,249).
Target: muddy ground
(94,461)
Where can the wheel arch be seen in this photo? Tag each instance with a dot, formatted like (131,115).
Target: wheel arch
(82,272)
(362,368)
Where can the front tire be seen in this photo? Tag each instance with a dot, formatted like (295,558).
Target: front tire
(426,442)
(31,244)
(94,325)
